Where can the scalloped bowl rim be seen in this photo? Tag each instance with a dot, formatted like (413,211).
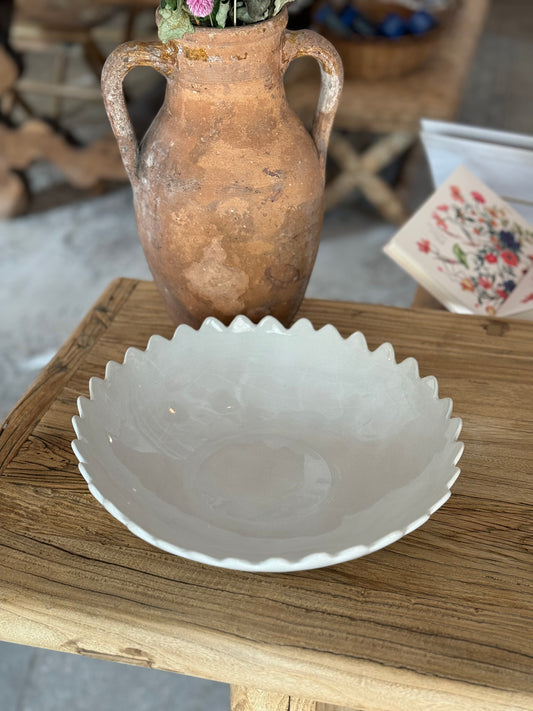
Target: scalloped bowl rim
(274,563)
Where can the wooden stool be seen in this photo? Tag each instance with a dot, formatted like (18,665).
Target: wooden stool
(361,171)
(392,108)
(38,33)
(28,37)
(36,140)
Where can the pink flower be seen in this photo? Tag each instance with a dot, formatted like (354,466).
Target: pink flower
(509,258)
(440,222)
(456,193)
(485,283)
(478,197)
(201,8)
(424,245)
(442,208)
(491,258)
(502,293)
(528,298)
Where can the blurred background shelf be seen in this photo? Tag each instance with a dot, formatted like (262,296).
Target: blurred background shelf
(391,109)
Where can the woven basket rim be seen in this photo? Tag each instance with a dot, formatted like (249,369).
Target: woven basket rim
(428,37)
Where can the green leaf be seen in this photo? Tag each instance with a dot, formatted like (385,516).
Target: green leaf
(279,4)
(257,9)
(244,16)
(173,24)
(222,13)
(461,256)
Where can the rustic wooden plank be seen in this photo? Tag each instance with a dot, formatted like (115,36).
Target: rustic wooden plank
(442,619)
(245,699)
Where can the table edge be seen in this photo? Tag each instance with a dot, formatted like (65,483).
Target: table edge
(18,424)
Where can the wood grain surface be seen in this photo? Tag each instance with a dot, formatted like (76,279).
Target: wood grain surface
(440,620)
(243,699)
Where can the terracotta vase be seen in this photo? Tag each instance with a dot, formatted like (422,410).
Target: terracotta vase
(227,182)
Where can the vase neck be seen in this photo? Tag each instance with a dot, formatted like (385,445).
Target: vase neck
(252,53)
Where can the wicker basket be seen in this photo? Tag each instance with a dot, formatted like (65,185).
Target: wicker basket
(374,58)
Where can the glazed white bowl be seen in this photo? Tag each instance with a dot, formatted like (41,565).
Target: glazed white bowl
(256,447)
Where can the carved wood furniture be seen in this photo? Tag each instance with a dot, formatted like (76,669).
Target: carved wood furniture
(35,139)
(44,25)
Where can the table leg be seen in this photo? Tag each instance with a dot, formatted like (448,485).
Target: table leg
(424,300)
(246,699)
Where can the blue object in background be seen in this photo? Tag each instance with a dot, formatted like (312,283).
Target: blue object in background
(392,26)
(420,22)
(348,15)
(350,20)
(363,27)
(326,16)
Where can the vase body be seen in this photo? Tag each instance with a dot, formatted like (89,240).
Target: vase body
(227,182)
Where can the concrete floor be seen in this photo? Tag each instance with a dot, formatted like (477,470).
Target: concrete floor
(57,261)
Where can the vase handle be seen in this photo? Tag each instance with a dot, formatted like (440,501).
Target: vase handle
(308,43)
(122,60)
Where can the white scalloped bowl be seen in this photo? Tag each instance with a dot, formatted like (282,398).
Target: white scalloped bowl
(255,447)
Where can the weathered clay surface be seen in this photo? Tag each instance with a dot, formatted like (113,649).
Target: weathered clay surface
(228,184)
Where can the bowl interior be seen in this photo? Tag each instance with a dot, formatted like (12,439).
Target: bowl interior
(266,443)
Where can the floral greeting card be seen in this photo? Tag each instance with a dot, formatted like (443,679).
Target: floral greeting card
(469,249)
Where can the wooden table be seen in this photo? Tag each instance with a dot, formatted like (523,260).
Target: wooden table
(440,620)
